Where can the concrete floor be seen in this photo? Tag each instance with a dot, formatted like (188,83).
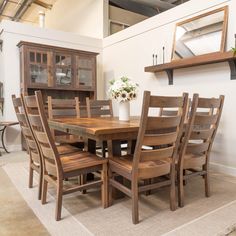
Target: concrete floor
(16,218)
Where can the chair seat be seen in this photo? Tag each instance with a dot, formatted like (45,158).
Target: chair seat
(80,160)
(147,169)
(64,149)
(193,161)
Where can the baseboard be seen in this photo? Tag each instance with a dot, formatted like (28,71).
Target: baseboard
(223,169)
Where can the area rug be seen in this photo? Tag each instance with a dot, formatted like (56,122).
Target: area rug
(83,214)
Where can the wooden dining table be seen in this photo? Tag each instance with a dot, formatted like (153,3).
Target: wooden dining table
(109,129)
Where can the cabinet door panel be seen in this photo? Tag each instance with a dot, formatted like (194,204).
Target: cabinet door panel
(39,68)
(85,72)
(63,70)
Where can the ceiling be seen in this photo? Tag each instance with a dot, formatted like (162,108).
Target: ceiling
(24,10)
(147,7)
(27,10)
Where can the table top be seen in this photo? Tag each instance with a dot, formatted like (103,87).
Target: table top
(96,126)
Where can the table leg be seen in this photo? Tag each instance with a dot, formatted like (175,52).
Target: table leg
(2,139)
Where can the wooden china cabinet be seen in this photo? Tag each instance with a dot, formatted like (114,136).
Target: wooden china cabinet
(57,72)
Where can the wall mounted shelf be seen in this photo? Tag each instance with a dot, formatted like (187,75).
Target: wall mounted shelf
(205,59)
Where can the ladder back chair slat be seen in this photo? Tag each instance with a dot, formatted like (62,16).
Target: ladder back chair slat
(35,163)
(155,151)
(198,139)
(58,167)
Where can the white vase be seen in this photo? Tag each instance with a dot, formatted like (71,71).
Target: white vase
(124,111)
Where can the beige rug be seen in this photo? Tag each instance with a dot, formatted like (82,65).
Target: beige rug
(83,214)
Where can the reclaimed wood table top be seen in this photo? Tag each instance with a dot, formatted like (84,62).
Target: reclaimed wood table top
(102,126)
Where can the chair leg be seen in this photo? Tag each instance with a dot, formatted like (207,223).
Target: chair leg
(59,200)
(147,182)
(110,188)
(104,186)
(44,191)
(184,180)
(134,194)
(180,188)
(104,149)
(40,184)
(83,179)
(172,190)
(31,176)
(207,182)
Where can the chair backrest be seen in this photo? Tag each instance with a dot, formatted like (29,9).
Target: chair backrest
(63,107)
(26,129)
(41,130)
(171,112)
(99,108)
(162,132)
(203,123)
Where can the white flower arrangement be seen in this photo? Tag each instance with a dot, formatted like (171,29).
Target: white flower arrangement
(123,89)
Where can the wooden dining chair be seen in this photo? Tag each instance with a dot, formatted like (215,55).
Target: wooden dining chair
(146,163)
(99,108)
(195,150)
(65,108)
(35,163)
(57,168)
(173,112)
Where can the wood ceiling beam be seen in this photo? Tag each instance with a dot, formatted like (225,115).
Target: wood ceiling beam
(22,9)
(3,6)
(43,4)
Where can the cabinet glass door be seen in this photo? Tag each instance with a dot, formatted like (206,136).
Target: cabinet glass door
(38,68)
(85,72)
(63,69)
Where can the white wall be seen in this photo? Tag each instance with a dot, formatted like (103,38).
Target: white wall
(129,51)
(12,34)
(84,17)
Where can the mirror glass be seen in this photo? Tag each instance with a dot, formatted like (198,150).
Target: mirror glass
(200,35)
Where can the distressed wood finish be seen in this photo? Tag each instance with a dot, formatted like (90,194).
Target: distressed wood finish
(145,164)
(195,151)
(57,168)
(100,128)
(81,69)
(99,108)
(35,163)
(65,108)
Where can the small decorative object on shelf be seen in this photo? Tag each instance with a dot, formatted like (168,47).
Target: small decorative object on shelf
(153,61)
(123,90)
(156,59)
(1,97)
(163,54)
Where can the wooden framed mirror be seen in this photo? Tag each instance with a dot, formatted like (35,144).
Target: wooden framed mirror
(203,34)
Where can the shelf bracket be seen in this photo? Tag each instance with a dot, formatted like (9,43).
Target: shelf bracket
(232,65)
(170,76)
